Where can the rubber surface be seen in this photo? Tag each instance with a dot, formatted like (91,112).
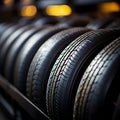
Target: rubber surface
(27,53)
(2,28)
(44,60)
(69,68)
(114,24)
(100,23)
(116,114)
(7,44)
(7,33)
(75,21)
(94,98)
(12,53)
(45,21)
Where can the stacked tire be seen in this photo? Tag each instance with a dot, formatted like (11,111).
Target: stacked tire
(68,72)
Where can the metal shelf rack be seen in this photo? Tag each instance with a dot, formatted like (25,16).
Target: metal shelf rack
(32,110)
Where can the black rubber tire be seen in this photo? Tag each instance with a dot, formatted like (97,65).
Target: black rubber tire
(114,24)
(2,28)
(7,45)
(68,70)
(44,60)
(2,24)
(100,23)
(116,114)
(45,21)
(13,51)
(27,53)
(7,33)
(94,97)
(75,21)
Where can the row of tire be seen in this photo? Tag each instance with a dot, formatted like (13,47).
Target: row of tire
(68,72)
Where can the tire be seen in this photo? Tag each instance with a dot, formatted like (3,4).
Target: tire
(7,33)
(2,28)
(114,24)
(5,26)
(42,64)
(99,85)
(7,44)
(27,53)
(12,53)
(45,21)
(116,114)
(68,70)
(100,23)
(75,21)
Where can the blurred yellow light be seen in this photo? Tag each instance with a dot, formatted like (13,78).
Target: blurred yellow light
(8,2)
(109,7)
(28,11)
(58,10)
